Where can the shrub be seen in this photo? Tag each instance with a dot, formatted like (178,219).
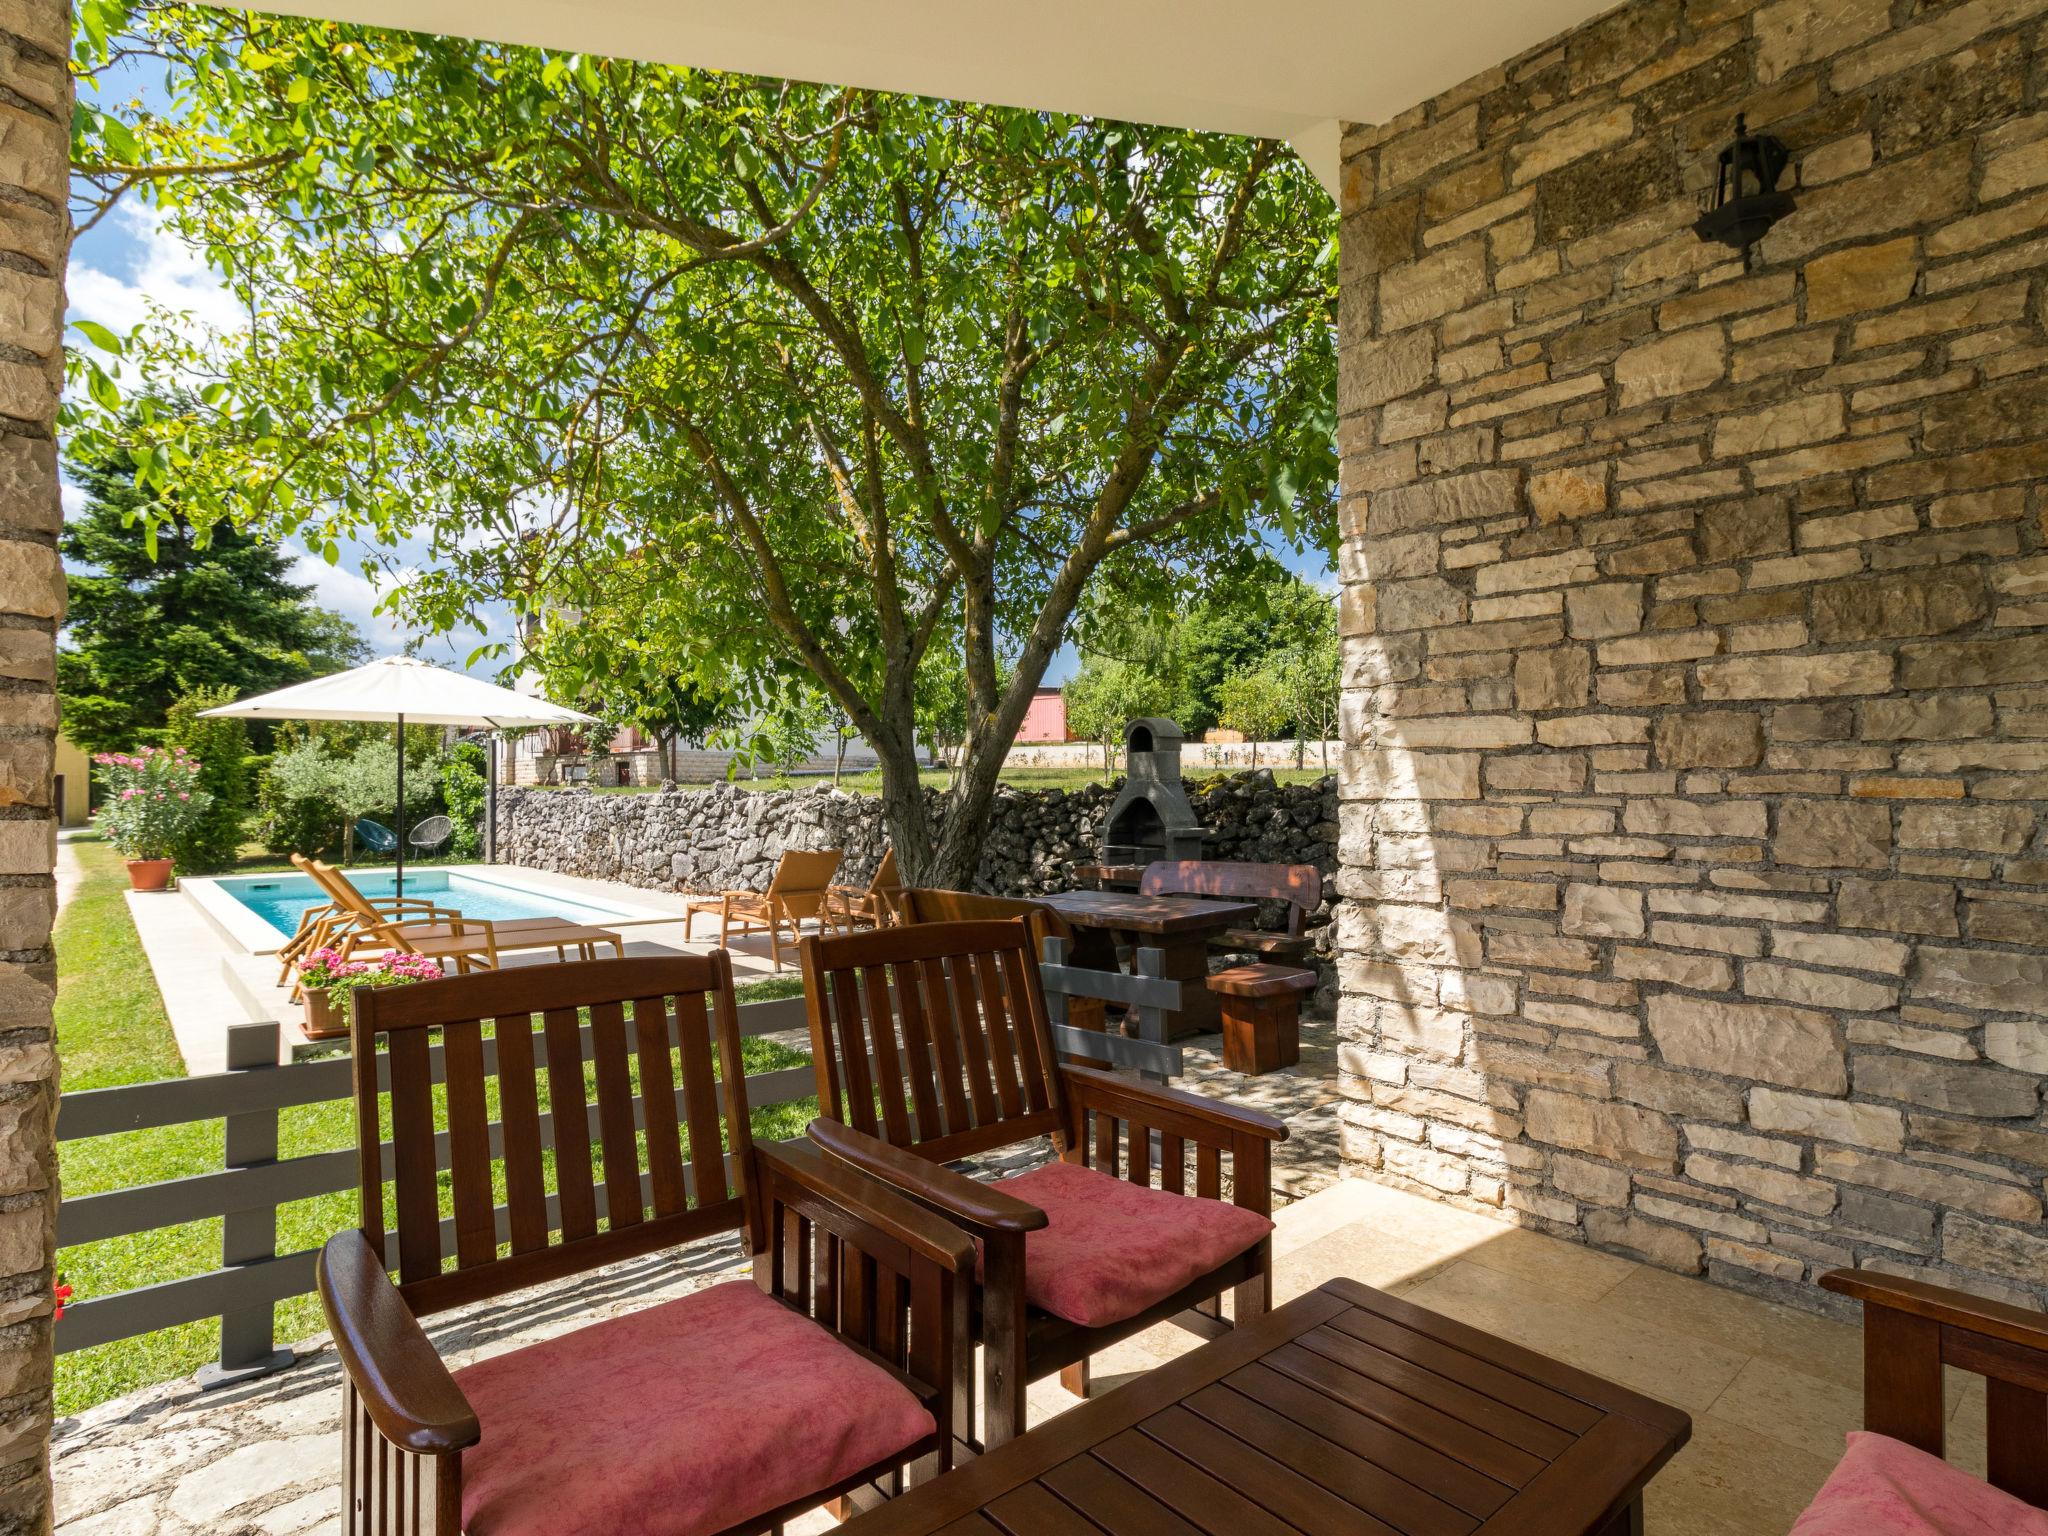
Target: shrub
(153,801)
(296,806)
(221,748)
(465,789)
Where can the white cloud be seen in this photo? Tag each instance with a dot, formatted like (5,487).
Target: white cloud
(142,265)
(355,596)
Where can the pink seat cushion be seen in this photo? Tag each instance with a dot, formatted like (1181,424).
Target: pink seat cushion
(1111,1248)
(1884,1487)
(679,1420)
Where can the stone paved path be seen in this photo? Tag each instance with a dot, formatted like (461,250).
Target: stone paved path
(264,1459)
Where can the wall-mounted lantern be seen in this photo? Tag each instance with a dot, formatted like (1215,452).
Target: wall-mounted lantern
(1745,200)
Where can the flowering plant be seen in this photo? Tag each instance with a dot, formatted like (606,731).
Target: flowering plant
(328,971)
(153,800)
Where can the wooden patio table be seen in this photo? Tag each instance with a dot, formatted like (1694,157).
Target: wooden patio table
(1347,1412)
(1178,926)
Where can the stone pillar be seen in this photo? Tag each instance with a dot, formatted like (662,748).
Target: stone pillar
(1696,784)
(35,114)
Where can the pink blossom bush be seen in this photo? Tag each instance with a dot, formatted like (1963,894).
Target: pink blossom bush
(153,800)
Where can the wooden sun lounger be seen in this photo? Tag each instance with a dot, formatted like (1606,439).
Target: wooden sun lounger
(417,927)
(803,880)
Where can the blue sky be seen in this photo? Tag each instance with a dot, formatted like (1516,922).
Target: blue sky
(128,262)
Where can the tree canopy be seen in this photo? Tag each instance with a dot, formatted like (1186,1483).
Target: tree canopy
(799,379)
(1267,623)
(160,610)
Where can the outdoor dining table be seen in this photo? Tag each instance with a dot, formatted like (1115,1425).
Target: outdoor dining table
(1178,926)
(1346,1412)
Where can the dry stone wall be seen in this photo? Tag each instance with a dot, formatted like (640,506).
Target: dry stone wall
(727,838)
(35,115)
(1696,654)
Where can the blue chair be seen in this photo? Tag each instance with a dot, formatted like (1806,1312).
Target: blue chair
(375,837)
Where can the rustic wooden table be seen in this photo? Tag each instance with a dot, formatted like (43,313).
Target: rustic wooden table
(1178,926)
(1348,1412)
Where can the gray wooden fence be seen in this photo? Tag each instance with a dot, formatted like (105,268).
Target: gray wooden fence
(254,1181)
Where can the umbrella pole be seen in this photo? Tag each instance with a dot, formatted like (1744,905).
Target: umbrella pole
(400,817)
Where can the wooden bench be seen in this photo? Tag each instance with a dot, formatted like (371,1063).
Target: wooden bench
(1261,1000)
(1261,1015)
(1299,885)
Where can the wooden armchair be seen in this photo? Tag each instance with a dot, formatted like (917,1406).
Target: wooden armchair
(930,1043)
(725,1410)
(1911,1330)
(802,880)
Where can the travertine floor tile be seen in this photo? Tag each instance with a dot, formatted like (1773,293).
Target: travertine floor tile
(1787,1405)
(1662,1362)
(1569,1268)
(1731,1481)
(1817,1345)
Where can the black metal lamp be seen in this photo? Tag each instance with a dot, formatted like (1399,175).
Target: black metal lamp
(1745,200)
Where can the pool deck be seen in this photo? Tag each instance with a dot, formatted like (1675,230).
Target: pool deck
(209,980)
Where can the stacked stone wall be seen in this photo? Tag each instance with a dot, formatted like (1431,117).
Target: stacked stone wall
(1696,650)
(726,838)
(35,117)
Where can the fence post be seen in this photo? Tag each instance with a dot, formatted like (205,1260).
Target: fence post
(1054,952)
(1152,1022)
(247,1349)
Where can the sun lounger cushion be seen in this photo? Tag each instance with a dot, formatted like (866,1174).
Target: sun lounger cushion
(1884,1487)
(678,1420)
(1110,1248)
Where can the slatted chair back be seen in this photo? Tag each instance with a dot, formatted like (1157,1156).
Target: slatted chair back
(930,906)
(802,876)
(590,1060)
(1299,885)
(933,1036)
(385,926)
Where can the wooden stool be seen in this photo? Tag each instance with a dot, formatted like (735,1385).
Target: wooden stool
(1261,1015)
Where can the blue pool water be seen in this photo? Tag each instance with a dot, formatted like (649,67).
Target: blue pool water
(279,899)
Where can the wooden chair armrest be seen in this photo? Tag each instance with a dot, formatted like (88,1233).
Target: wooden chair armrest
(978,1207)
(404,1384)
(1941,1304)
(871,1202)
(322,914)
(1088,1088)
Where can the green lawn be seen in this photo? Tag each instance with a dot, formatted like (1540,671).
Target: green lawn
(111,1029)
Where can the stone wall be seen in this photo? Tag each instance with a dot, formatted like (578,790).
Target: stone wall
(35,115)
(1697,645)
(726,838)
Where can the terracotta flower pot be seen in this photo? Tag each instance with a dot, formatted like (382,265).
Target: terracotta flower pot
(324,1021)
(149,874)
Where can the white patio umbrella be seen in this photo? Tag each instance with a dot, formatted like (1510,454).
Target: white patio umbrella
(403,689)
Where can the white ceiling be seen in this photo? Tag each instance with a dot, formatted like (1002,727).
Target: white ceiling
(1290,69)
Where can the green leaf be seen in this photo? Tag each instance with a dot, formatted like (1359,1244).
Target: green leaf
(99,336)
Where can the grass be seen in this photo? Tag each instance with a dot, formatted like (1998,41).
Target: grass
(112,1029)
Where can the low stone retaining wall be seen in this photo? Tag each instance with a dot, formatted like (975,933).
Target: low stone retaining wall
(726,838)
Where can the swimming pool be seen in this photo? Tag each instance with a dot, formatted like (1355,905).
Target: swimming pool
(262,911)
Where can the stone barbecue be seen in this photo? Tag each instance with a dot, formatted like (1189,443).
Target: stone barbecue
(1152,819)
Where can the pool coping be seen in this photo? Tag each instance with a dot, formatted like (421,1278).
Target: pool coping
(249,933)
